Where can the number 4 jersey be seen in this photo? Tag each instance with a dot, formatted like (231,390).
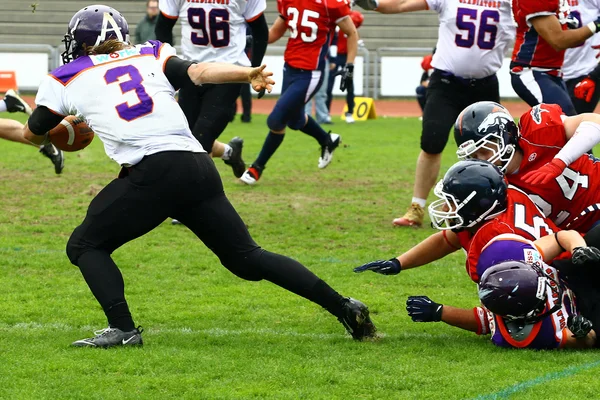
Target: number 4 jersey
(126,99)
(312,25)
(473,36)
(213,30)
(572,200)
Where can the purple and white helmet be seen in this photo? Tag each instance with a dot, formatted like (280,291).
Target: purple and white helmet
(91,26)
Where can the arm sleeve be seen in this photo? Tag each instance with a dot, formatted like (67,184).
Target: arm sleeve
(164,29)
(176,71)
(42,120)
(260,37)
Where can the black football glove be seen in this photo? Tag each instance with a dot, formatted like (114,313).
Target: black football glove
(384,267)
(347,76)
(366,4)
(423,309)
(579,326)
(582,255)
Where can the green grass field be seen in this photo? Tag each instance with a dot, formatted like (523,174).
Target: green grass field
(211,335)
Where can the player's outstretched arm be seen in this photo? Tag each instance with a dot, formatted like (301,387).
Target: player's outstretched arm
(423,309)
(277,30)
(583,133)
(392,6)
(215,72)
(431,249)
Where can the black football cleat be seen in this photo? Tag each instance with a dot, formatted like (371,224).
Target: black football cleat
(356,320)
(328,149)
(235,159)
(16,104)
(55,155)
(111,337)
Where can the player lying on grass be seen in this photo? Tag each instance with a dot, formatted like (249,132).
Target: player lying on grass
(13,130)
(165,170)
(475,205)
(527,303)
(545,157)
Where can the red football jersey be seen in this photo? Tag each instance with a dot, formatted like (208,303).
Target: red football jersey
(522,217)
(576,191)
(530,48)
(312,25)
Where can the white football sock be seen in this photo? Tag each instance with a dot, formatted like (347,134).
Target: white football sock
(3,106)
(420,202)
(226,152)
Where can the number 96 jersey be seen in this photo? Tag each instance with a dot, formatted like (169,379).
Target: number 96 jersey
(213,30)
(473,36)
(311,25)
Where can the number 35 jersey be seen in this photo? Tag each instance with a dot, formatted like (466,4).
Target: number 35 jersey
(213,30)
(472,36)
(311,24)
(572,200)
(125,98)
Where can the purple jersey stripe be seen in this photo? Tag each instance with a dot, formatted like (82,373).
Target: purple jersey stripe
(65,72)
(154,49)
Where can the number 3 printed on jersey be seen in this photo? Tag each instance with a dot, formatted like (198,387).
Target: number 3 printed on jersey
(307,21)
(467,19)
(125,111)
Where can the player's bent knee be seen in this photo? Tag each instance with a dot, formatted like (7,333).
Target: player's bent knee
(74,248)
(274,122)
(434,137)
(245,266)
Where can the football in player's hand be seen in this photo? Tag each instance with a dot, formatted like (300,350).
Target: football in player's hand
(72,134)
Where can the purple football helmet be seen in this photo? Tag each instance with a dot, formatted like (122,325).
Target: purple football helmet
(516,290)
(91,26)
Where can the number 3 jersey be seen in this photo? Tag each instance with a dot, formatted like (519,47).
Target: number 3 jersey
(311,24)
(126,99)
(213,30)
(473,36)
(572,200)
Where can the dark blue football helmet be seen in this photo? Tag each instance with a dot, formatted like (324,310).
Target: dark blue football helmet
(472,191)
(486,125)
(91,26)
(516,290)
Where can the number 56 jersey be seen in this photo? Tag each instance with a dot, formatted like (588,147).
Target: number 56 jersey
(473,36)
(213,30)
(125,98)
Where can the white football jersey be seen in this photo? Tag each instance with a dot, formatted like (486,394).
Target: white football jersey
(214,30)
(473,36)
(581,60)
(125,98)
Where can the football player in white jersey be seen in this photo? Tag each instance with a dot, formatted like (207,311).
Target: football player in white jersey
(12,130)
(472,40)
(215,31)
(126,94)
(581,71)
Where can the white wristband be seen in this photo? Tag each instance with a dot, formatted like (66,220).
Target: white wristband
(592,26)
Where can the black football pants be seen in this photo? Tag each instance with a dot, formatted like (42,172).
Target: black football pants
(185,186)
